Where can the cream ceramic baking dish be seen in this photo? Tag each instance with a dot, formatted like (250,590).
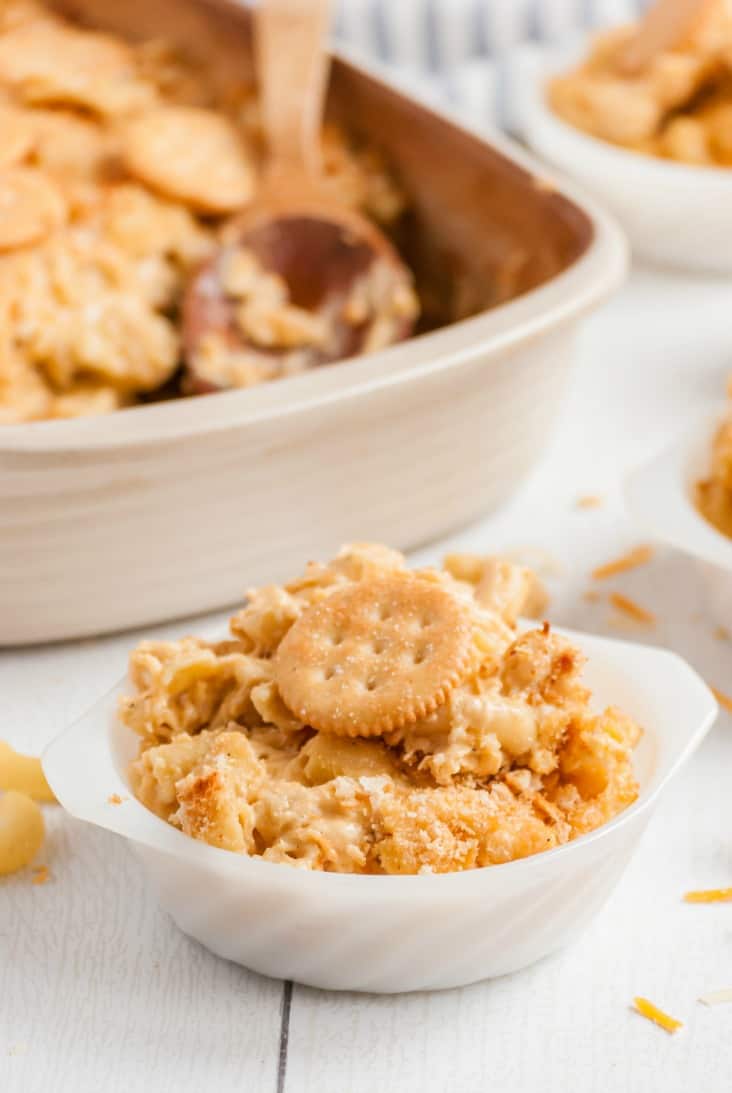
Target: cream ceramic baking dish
(168,509)
(393,933)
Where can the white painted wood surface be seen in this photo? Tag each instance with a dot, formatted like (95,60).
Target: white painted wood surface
(99,992)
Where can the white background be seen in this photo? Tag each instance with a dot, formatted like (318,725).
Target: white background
(100,992)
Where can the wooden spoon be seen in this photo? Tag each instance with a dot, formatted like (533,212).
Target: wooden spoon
(665,24)
(335,264)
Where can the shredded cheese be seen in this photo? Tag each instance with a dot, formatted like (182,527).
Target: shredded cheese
(709,895)
(653,1013)
(723,699)
(716,998)
(637,556)
(631,608)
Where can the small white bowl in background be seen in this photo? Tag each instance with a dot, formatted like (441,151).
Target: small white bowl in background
(660,498)
(393,933)
(674,214)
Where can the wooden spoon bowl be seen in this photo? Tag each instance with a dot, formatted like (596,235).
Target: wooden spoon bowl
(332,263)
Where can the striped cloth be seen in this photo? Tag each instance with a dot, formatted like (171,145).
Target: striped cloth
(434,36)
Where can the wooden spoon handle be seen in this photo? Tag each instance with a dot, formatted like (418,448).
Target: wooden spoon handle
(293,65)
(665,24)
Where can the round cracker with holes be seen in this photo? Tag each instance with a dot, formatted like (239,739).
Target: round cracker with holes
(46,61)
(192,155)
(30,207)
(375,656)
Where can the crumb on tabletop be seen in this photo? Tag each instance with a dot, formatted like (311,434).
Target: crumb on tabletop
(658,1017)
(632,609)
(591,595)
(709,895)
(722,698)
(41,875)
(721,633)
(638,556)
(589,501)
(115,799)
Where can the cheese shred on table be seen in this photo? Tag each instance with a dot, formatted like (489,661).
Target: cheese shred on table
(709,895)
(637,556)
(653,1013)
(631,608)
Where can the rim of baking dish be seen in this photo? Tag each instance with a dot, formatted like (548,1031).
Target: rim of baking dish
(592,276)
(659,494)
(84,773)
(532,68)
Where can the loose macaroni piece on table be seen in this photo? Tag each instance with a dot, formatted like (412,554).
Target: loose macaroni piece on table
(24,774)
(368,718)
(21,831)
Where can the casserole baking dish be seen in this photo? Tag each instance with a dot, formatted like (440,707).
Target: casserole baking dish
(675,214)
(165,510)
(393,933)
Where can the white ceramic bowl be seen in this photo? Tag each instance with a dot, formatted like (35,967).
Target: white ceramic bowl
(660,498)
(674,214)
(383,933)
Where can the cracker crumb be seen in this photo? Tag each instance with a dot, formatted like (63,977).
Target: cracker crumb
(638,556)
(41,875)
(724,700)
(115,799)
(721,633)
(589,501)
(632,609)
(658,1017)
(591,595)
(709,895)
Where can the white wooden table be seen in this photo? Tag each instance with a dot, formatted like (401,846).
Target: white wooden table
(100,992)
